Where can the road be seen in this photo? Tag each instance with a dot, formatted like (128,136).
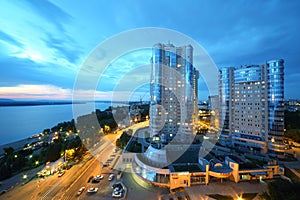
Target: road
(66,187)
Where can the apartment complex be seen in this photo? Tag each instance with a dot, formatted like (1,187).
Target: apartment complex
(251,115)
(173,94)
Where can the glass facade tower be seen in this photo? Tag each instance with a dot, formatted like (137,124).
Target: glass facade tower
(275,100)
(173,94)
(251,107)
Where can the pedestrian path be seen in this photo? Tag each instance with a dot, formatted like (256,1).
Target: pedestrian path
(295,172)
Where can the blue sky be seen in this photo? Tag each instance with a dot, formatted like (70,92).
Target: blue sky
(44,43)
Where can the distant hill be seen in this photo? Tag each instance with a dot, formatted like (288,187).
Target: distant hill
(3,100)
(6,100)
(10,102)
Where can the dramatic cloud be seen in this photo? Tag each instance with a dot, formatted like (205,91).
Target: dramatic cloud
(9,39)
(46,42)
(50,12)
(54,92)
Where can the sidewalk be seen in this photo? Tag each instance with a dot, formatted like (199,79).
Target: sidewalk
(295,172)
(18,178)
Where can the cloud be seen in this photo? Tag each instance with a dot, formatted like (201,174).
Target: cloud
(15,71)
(10,39)
(52,92)
(235,33)
(50,12)
(34,92)
(45,30)
(64,47)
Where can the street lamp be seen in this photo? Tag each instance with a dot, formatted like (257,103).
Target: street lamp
(239,198)
(25,176)
(272,139)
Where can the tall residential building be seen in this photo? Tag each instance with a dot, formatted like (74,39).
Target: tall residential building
(213,102)
(251,114)
(173,94)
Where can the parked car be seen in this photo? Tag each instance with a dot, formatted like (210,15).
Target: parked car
(91,178)
(116,194)
(61,173)
(95,180)
(118,189)
(92,190)
(99,177)
(117,185)
(111,177)
(80,191)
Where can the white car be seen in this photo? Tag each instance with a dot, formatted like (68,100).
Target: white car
(61,173)
(111,177)
(92,190)
(99,177)
(80,191)
(117,194)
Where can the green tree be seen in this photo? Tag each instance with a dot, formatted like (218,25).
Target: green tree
(53,152)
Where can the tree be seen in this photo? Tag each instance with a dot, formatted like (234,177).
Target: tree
(70,154)
(8,151)
(53,152)
(106,129)
(46,131)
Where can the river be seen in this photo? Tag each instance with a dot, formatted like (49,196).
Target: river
(19,122)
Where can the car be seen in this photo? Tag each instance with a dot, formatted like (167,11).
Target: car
(117,185)
(95,180)
(80,191)
(111,177)
(92,190)
(118,189)
(91,178)
(99,177)
(61,173)
(116,194)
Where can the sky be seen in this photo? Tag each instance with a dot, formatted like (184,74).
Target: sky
(43,44)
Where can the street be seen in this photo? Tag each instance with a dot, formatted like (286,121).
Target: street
(66,187)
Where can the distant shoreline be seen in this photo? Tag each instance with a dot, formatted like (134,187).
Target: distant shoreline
(46,103)
(37,103)
(17,145)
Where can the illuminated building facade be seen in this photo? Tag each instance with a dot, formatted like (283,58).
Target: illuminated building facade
(173,94)
(252,107)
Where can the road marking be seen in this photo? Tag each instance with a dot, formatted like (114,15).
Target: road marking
(102,147)
(50,190)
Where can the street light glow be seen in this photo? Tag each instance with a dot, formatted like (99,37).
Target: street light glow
(24,176)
